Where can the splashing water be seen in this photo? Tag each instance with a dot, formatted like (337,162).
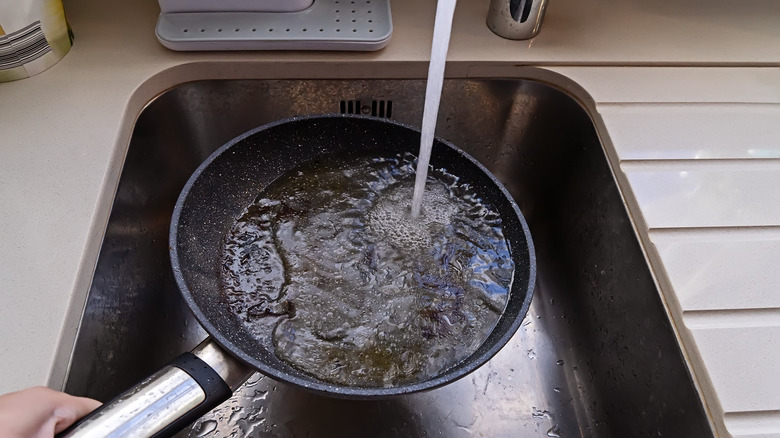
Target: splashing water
(445,9)
(328,270)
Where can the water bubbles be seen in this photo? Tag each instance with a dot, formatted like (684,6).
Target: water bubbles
(391,220)
(330,272)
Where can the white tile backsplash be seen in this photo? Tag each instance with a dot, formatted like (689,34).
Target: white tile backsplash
(690,194)
(722,269)
(689,131)
(743,364)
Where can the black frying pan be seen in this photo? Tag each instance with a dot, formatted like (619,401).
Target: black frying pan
(217,193)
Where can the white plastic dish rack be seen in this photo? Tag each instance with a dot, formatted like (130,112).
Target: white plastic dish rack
(234,5)
(361,25)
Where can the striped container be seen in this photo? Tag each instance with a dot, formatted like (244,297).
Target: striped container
(34,35)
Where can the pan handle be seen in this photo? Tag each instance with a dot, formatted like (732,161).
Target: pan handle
(170,399)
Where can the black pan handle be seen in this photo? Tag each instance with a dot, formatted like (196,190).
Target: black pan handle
(170,399)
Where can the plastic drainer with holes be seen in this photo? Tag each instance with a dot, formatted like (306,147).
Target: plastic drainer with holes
(360,25)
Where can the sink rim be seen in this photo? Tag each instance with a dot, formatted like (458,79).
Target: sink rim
(543,77)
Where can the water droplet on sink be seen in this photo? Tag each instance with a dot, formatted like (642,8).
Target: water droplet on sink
(540,414)
(554,432)
(259,395)
(254,380)
(560,362)
(207,427)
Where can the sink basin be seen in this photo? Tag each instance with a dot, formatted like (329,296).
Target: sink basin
(595,356)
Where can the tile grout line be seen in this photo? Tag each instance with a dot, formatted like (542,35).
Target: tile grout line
(685,104)
(684,164)
(732,318)
(718,233)
(752,423)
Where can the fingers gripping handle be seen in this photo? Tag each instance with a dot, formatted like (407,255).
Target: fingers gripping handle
(159,406)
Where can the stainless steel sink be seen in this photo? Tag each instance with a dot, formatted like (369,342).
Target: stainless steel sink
(596,355)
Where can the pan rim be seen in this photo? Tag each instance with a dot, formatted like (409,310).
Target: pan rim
(457,371)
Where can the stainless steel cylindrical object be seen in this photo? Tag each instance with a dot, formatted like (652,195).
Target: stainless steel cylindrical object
(146,409)
(181,392)
(516,19)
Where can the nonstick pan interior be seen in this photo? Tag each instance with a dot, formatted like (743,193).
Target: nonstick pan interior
(234,175)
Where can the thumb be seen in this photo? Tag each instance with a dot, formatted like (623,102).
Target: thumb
(69,409)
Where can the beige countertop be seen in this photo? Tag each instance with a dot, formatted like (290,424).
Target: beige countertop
(686,95)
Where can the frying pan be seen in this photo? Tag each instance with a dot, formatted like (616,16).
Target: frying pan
(215,195)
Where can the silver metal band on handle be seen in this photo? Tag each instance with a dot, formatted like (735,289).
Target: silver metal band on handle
(170,395)
(232,372)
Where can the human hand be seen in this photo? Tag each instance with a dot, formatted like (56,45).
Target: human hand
(40,412)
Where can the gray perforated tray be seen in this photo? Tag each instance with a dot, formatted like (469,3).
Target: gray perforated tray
(327,25)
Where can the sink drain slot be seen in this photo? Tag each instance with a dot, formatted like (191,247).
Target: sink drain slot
(377,108)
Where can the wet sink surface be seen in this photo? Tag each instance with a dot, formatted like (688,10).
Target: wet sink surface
(595,356)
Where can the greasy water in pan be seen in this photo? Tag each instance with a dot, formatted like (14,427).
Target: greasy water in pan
(328,269)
